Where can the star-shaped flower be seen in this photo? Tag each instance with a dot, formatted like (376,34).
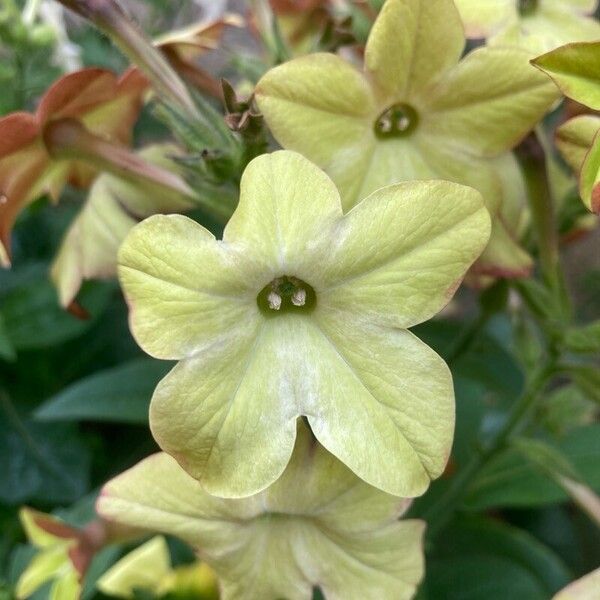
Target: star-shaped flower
(536,25)
(113,206)
(148,569)
(317,525)
(574,69)
(63,558)
(107,105)
(415,112)
(303,311)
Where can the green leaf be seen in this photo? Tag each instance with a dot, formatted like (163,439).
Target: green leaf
(509,481)
(480,559)
(48,463)
(34,320)
(121,394)
(575,68)
(585,339)
(7,350)
(587,379)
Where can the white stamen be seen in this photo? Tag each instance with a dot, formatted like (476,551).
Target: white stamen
(403,123)
(274,300)
(299,297)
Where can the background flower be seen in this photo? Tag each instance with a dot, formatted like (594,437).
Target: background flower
(536,25)
(415,112)
(317,525)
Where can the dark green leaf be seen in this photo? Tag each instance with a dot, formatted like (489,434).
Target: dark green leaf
(480,559)
(34,319)
(121,394)
(40,462)
(511,481)
(7,350)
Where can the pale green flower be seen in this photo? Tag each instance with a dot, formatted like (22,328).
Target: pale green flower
(113,206)
(536,25)
(148,568)
(575,138)
(303,311)
(574,69)
(317,525)
(62,557)
(416,111)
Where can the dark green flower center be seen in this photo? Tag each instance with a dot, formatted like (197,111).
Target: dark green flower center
(527,7)
(286,294)
(398,120)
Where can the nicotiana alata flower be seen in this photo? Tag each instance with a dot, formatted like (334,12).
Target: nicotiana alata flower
(317,525)
(415,112)
(113,206)
(63,557)
(303,311)
(108,105)
(148,569)
(536,25)
(574,69)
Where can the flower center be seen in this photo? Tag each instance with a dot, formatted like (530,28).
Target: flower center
(286,294)
(527,7)
(398,120)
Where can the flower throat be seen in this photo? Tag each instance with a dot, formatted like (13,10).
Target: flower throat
(527,7)
(399,120)
(286,294)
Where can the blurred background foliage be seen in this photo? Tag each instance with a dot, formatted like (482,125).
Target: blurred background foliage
(74,394)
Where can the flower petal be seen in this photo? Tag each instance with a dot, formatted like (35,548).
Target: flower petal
(229,415)
(66,587)
(318,105)
(389,413)
(575,137)
(487,115)
(575,69)
(286,206)
(113,207)
(241,539)
(414,262)
(144,568)
(482,18)
(22,160)
(503,256)
(411,44)
(589,183)
(44,567)
(187,292)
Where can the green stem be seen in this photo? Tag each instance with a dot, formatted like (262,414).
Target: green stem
(441,512)
(533,161)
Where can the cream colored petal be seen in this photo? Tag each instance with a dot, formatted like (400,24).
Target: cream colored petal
(186,291)
(411,44)
(489,102)
(398,257)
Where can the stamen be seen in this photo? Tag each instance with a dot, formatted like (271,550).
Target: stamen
(299,297)
(527,7)
(398,120)
(274,300)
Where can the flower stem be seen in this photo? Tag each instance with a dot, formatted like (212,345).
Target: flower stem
(69,139)
(441,512)
(111,18)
